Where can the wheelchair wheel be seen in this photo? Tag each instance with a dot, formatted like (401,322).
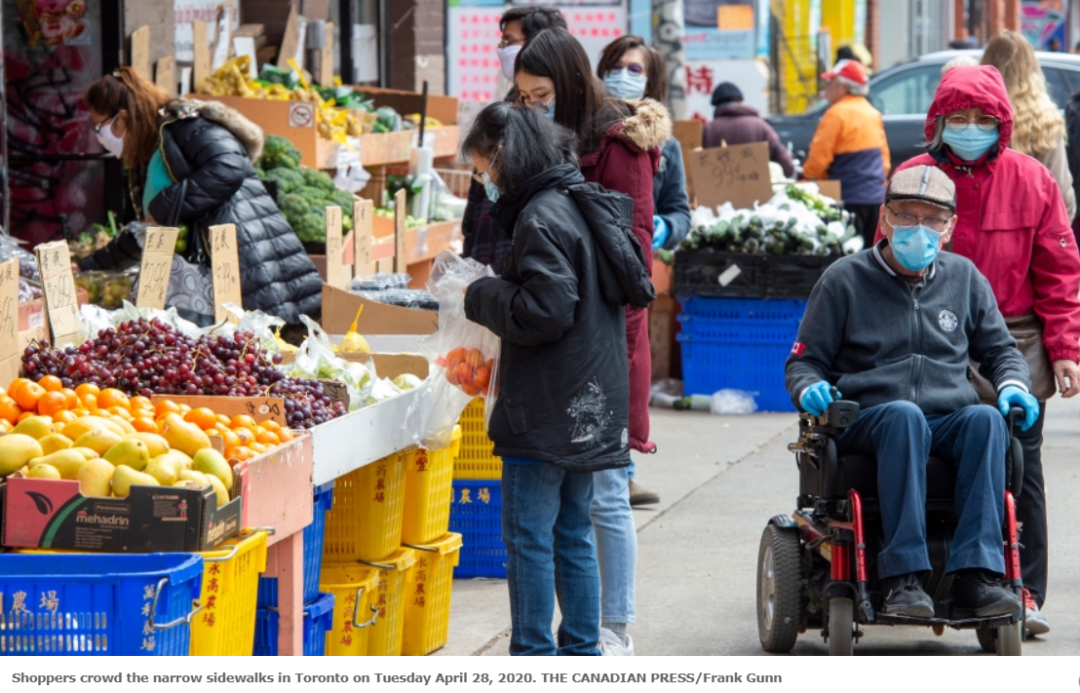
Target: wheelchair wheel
(841,617)
(779,593)
(1010,639)
(1005,641)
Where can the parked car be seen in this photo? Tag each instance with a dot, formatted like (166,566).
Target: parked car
(903,94)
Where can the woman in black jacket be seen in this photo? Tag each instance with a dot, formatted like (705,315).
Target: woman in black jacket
(563,407)
(192,161)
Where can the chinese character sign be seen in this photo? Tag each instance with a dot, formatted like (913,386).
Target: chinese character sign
(473,68)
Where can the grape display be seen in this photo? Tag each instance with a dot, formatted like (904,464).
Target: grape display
(147,357)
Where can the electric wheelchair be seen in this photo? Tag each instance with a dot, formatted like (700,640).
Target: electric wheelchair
(817,568)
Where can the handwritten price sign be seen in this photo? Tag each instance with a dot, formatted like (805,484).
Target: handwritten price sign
(335,267)
(58,285)
(225,263)
(738,174)
(156,266)
(9,319)
(363,229)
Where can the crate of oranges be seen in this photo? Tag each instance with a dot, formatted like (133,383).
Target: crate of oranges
(109,442)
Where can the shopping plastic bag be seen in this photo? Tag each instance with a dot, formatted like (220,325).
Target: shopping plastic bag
(464,356)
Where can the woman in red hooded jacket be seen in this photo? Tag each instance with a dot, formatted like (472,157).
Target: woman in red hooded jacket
(1012,223)
(619,146)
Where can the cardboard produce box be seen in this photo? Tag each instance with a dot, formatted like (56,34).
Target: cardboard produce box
(50,514)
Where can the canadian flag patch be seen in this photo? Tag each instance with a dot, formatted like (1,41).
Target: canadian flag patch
(798,349)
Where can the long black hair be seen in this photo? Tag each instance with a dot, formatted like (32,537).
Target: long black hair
(580,101)
(523,142)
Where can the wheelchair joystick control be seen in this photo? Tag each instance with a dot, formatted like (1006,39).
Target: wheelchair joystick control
(841,414)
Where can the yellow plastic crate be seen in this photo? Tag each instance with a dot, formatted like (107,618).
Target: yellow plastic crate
(427,596)
(386,635)
(226,625)
(476,460)
(364,522)
(429,478)
(354,589)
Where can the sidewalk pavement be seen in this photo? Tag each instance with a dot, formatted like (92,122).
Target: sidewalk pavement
(720,479)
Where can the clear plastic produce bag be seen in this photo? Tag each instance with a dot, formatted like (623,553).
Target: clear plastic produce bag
(464,356)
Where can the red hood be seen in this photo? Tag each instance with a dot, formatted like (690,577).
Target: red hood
(977,86)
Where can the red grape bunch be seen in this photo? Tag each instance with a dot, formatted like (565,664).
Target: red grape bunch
(147,357)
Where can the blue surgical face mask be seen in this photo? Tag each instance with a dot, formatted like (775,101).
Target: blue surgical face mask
(490,189)
(550,112)
(915,247)
(623,84)
(971,143)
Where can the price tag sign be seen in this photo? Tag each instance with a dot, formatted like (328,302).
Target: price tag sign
(363,229)
(738,174)
(58,285)
(225,263)
(401,264)
(259,408)
(156,266)
(335,265)
(9,320)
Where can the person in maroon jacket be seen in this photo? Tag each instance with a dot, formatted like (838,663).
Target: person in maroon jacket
(1011,222)
(619,147)
(733,123)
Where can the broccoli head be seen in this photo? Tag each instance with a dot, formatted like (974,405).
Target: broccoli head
(311,228)
(341,198)
(278,152)
(315,197)
(288,179)
(317,179)
(294,206)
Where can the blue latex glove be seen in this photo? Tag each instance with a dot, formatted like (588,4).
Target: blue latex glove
(1012,396)
(661,232)
(817,397)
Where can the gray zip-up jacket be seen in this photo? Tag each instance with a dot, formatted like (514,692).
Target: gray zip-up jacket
(877,340)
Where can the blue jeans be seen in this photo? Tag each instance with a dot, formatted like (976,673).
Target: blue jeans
(902,438)
(616,544)
(550,553)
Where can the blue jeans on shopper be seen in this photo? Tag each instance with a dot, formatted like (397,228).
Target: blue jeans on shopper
(550,553)
(902,438)
(616,544)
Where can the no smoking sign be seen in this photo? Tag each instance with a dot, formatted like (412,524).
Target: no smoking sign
(301,115)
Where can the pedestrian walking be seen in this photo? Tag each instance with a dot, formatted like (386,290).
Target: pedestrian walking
(1038,127)
(1011,222)
(619,144)
(736,123)
(564,403)
(484,241)
(850,146)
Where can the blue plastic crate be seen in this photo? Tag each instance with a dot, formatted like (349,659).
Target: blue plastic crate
(757,310)
(318,620)
(313,546)
(98,604)
(476,514)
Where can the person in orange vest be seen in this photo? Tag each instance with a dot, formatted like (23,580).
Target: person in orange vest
(850,146)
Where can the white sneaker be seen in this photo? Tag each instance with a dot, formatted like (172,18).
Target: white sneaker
(612,645)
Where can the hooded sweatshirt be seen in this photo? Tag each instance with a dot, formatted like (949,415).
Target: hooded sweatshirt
(559,310)
(1011,219)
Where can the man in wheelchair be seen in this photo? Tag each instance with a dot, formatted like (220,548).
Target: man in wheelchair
(892,328)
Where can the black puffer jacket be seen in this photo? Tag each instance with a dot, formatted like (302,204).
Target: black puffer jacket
(212,147)
(559,309)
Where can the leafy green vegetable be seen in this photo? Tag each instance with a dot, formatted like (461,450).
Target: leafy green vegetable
(278,152)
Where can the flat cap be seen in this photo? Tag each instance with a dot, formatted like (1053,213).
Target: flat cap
(923,184)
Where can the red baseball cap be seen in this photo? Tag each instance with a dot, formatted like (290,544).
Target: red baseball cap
(848,69)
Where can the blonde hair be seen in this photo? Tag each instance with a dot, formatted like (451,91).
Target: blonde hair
(1037,123)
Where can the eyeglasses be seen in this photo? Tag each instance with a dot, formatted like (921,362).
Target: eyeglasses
(959,123)
(97,128)
(510,42)
(935,224)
